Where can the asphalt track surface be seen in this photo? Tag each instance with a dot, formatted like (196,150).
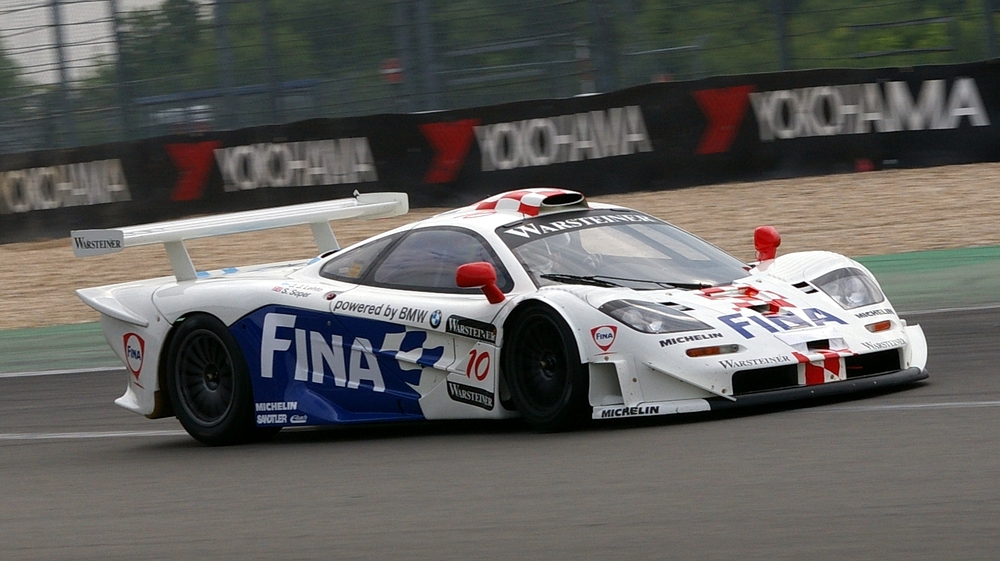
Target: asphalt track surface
(910,474)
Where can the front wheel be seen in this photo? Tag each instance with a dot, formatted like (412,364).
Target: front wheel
(209,383)
(547,381)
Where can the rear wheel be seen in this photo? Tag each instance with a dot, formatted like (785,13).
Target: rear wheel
(209,383)
(541,365)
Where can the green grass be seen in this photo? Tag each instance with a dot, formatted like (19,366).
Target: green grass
(928,280)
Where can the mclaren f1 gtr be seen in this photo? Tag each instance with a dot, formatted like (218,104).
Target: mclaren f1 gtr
(533,303)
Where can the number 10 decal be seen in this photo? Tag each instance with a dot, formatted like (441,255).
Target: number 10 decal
(478,365)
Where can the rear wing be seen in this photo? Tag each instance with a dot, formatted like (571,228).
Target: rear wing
(172,234)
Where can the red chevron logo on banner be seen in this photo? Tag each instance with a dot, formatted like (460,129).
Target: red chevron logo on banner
(725,108)
(193,163)
(451,143)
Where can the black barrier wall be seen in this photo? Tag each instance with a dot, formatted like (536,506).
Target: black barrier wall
(658,136)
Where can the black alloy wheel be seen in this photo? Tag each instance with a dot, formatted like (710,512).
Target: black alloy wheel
(205,377)
(209,383)
(547,382)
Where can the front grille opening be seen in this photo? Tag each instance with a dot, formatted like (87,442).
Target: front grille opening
(818,344)
(873,363)
(765,379)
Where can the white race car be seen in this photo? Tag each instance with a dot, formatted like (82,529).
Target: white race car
(533,303)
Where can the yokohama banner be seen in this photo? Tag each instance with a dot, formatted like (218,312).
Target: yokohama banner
(656,136)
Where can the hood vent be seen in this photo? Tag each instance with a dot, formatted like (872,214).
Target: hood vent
(818,345)
(676,306)
(805,287)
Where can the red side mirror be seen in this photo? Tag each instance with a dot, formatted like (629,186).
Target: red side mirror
(480,275)
(766,240)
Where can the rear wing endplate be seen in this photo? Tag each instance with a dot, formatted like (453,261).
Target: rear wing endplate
(172,234)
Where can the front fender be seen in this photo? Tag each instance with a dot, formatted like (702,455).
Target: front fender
(583,319)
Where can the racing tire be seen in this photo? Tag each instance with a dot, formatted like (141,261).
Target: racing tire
(209,384)
(548,384)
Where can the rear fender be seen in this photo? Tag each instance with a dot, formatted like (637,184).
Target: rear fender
(139,349)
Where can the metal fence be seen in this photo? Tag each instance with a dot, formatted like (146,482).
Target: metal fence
(79,72)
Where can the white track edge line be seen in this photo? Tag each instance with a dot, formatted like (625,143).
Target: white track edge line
(61,372)
(944,310)
(87,435)
(903,406)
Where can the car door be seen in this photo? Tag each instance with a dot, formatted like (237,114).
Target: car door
(309,366)
(428,334)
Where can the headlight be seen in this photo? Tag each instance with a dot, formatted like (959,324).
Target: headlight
(851,288)
(650,317)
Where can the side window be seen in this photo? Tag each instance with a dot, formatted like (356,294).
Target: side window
(351,266)
(427,260)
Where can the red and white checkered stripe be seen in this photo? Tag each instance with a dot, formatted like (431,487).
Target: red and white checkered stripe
(822,367)
(524,201)
(746,296)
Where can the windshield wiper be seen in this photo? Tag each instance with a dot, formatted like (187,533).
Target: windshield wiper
(607,281)
(684,285)
(578,279)
(662,284)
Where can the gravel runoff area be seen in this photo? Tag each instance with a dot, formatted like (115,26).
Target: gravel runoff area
(870,213)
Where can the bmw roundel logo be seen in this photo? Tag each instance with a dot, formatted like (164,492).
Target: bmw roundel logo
(435,318)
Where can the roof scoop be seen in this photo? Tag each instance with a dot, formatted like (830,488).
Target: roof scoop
(533,202)
(564,199)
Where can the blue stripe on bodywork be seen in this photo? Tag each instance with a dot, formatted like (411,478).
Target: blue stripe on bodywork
(346,392)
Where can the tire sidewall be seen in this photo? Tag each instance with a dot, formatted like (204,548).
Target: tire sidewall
(237,424)
(570,410)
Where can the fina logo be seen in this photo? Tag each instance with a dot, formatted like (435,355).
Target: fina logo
(604,336)
(134,350)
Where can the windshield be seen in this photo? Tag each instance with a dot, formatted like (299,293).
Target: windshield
(617,248)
